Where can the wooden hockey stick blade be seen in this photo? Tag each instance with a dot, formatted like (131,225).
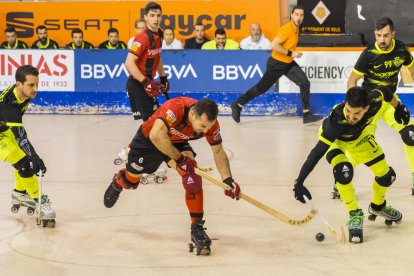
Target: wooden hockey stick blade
(260,205)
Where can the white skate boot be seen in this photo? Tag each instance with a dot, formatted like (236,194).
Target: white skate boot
(122,156)
(46,215)
(159,176)
(19,199)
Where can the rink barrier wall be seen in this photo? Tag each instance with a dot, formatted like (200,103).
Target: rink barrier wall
(93,81)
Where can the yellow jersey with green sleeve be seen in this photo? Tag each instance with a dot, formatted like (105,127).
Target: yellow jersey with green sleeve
(379,67)
(289,37)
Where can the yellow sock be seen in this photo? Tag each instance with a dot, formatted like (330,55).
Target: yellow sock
(378,195)
(347,193)
(17,184)
(30,184)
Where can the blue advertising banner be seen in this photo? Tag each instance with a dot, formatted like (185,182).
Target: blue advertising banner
(93,81)
(188,71)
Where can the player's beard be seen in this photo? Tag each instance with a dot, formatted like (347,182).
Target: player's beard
(43,40)
(384,46)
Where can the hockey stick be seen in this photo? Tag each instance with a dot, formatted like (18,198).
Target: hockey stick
(340,237)
(260,205)
(39,198)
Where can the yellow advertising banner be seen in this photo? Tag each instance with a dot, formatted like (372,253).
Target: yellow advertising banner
(95,18)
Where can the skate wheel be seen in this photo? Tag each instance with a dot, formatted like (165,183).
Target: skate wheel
(388,222)
(412,191)
(30,211)
(372,217)
(159,180)
(333,195)
(398,221)
(117,161)
(190,247)
(38,221)
(144,181)
(15,208)
(51,223)
(205,250)
(197,250)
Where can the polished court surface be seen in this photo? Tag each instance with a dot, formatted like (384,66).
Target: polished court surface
(147,231)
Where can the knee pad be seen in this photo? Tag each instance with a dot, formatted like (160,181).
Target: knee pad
(387,179)
(343,173)
(26,167)
(123,182)
(407,135)
(192,183)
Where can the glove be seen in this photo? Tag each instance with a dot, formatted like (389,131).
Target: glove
(299,191)
(165,84)
(185,165)
(40,165)
(233,189)
(401,114)
(151,87)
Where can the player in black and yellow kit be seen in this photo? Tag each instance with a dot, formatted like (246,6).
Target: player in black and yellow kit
(380,64)
(43,42)
(11,40)
(113,41)
(347,138)
(15,147)
(77,41)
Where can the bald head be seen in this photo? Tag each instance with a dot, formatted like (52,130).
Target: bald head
(255,32)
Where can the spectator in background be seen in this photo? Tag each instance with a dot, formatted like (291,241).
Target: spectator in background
(77,41)
(198,40)
(11,40)
(256,40)
(139,25)
(220,42)
(170,42)
(43,42)
(113,41)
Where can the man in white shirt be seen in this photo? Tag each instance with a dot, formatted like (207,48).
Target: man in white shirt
(170,42)
(140,24)
(256,40)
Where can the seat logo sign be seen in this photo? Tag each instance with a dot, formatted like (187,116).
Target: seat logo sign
(18,20)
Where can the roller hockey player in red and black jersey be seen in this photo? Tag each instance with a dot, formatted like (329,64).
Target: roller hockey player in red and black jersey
(143,62)
(165,137)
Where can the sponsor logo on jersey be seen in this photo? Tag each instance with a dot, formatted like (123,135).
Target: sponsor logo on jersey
(181,135)
(170,117)
(135,45)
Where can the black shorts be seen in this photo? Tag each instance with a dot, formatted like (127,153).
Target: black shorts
(142,105)
(144,157)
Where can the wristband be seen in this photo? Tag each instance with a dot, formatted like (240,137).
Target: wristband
(289,53)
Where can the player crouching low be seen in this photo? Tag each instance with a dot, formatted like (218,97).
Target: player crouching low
(164,138)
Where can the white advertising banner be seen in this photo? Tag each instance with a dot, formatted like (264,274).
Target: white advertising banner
(328,72)
(56,68)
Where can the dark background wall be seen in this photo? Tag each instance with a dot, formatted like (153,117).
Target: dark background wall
(400,11)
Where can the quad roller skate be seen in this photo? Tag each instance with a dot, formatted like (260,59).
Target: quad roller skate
(159,176)
(335,194)
(355,224)
(122,156)
(200,242)
(19,199)
(45,214)
(387,212)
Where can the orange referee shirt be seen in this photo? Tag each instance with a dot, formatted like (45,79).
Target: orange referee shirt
(289,37)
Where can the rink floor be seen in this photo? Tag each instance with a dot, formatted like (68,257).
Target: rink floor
(147,231)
